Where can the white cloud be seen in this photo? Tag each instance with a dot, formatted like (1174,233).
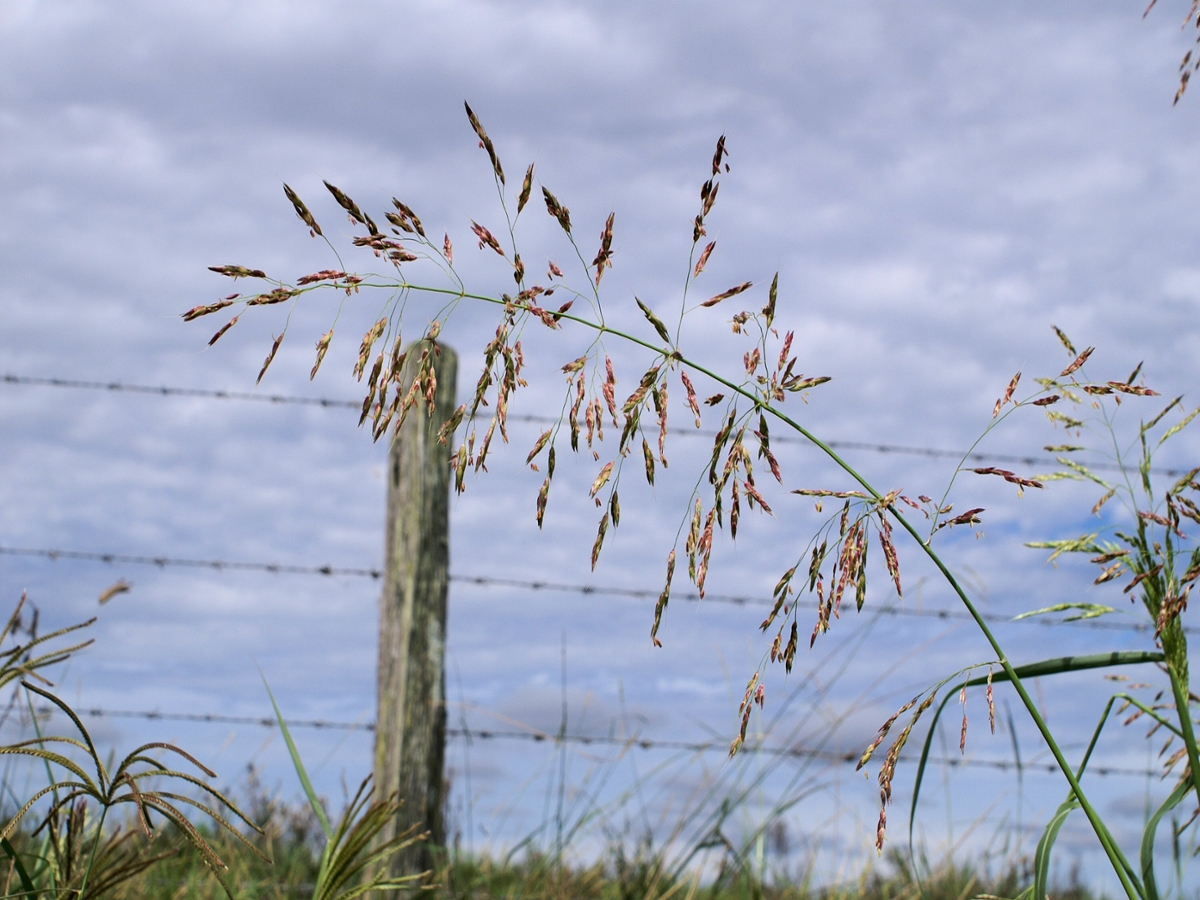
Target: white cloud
(936,185)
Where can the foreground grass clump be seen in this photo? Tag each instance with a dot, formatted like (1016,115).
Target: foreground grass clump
(299,860)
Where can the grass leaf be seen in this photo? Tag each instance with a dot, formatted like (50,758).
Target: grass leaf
(313,800)
(1090,611)
(1149,833)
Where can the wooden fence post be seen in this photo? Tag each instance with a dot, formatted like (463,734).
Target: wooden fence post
(410,730)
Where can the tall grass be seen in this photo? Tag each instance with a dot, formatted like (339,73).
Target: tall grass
(1139,538)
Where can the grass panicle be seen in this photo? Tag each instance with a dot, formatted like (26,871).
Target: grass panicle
(750,396)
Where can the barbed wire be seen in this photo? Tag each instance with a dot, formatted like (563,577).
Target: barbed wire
(162,391)
(630,742)
(333,403)
(171,561)
(534,585)
(740,600)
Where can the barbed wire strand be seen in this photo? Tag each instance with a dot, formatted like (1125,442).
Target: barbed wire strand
(637,742)
(162,391)
(169,561)
(333,403)
(531,585)
(491,581)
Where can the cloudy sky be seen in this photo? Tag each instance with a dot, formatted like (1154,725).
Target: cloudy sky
(936,183)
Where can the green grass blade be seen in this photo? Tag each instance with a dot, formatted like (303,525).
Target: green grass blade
(26,882)
(1041,859)
(1061,664)
(1184,712)
(313,800)
(921,763)
(1087,611)
(1151,830)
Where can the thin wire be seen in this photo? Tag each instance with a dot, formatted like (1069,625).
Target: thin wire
(607,740)
(179,392)
(552,586)
(330,403)
(216,564)
(739,600)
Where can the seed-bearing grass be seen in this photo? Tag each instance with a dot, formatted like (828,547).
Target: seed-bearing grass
(748,399)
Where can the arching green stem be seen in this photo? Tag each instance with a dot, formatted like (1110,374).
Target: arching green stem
(1102,833)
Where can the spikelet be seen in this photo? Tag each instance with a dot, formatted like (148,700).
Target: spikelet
(486,143)
(364,351)
(768,311)
(661,606)
(322,346)
(238,272)
(603,258)
(559,212)
(302,210)
(205,309)
(654,320)
(270,356)
(691,396)
(538,446)
(526,189)
(1012,386)
(411,216)
(542,497)
(725,295)
(486,237)
(600,532)
(350,207)
(719,155)
(1065,341)
(220,331)
(1078,363)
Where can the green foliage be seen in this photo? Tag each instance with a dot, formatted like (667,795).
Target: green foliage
(69,852)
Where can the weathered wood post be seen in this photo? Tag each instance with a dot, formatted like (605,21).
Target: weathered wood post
(411,717)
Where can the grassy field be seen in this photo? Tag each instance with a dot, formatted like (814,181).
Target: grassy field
(616,877)
(293,839)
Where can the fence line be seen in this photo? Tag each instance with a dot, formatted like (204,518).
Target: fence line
(633,742)
(555,587)
(536,736)
(333,403)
